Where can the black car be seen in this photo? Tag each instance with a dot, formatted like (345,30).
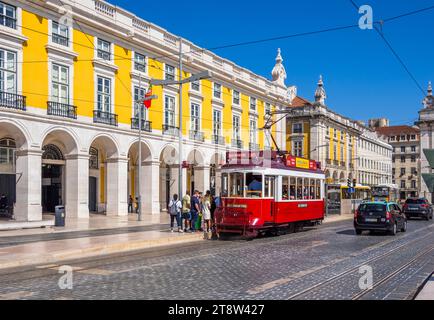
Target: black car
(380,216)
(418,208)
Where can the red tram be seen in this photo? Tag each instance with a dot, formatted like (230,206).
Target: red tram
(269,191)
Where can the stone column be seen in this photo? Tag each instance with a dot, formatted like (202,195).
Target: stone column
(150,187)
(77,186)
(117,187)
(29,184)
(201,178)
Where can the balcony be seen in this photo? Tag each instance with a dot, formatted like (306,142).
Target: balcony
(12,101)
(170,130)
(220,140)
(197,136)
(61,110)
(61,40)
(105,118)
(254,146)
(236,143)
(146,125)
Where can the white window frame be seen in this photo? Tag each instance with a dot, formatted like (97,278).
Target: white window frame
(97,48)
(144,90)
(196,83)
(236,134)
(195,118)
(217,131)
(51,33)
(296,124)
(169,96)
(17,22)
(166,71)
(233,97)
(15,71)
(217,88)
(111,94)
(253,103)
(298,151)
(135,54)
(59,84)
(253,130)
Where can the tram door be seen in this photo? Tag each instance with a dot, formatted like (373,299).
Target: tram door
(270,191)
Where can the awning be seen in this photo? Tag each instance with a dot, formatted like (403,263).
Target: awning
(429,154)
(429,181)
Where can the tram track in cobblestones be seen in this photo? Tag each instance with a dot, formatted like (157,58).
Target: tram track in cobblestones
(387,278)
(350,271)
(107,260)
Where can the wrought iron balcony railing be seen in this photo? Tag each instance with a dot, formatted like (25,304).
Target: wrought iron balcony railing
(61,110)
(12,101)
(146,125)
(105,118)
(197,136)
(170,130)
(220,140)
(236,143)
(59,39)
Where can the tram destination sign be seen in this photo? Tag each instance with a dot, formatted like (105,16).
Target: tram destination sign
(296,162)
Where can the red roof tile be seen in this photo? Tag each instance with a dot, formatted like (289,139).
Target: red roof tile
(299,102)
(397,130)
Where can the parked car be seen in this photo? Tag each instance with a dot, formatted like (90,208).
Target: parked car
(419,208)
(380,216)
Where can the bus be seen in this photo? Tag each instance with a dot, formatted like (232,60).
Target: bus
(385,192)
(269,191)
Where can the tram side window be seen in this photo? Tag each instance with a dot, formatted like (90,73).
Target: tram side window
(292,188)
(312,189)
(237,184)
(285,188)
(318,189)
(269,187)
(254,185)
(225,181)
(299,189)
(306,189)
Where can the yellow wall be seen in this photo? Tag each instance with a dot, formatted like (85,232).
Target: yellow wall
(123,89)
(84,86)
(306,140)
(35,75)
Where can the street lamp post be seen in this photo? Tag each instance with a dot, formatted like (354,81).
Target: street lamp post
(140,103)
(195,77)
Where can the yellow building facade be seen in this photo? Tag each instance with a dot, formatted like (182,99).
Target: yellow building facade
(69,108)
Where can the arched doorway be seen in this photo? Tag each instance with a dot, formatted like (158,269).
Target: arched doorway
(342,177)
(216,162)
(57,174)
(145,187)
(197,175)
(53,169)
(335,177)
(169,175)
(8,149)
(107,193)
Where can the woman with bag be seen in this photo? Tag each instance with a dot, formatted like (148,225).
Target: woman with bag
(206,211)
(175,207)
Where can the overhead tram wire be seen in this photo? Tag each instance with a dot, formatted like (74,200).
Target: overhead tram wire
(389,45)
(234,44)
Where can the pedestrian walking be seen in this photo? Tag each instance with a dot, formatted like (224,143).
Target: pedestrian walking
(175,207)
(186,211)
(206,211)
(136,205)
(130,204)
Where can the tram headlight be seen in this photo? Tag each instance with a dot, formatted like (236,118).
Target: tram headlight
(255,221)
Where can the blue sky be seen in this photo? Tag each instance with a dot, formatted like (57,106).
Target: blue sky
(362,78)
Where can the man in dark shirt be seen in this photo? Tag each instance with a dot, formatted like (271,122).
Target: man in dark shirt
(195,208)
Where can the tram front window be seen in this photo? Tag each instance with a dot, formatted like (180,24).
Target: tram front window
(236,184)
(254,185)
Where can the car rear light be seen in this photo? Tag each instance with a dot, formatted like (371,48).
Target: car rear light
(405,206)
(388,215)
(424,206)
(356,214)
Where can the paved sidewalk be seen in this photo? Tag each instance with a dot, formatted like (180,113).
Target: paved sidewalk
(335,218)
(427,293)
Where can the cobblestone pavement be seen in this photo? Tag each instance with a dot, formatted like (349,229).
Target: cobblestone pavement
(320,263)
